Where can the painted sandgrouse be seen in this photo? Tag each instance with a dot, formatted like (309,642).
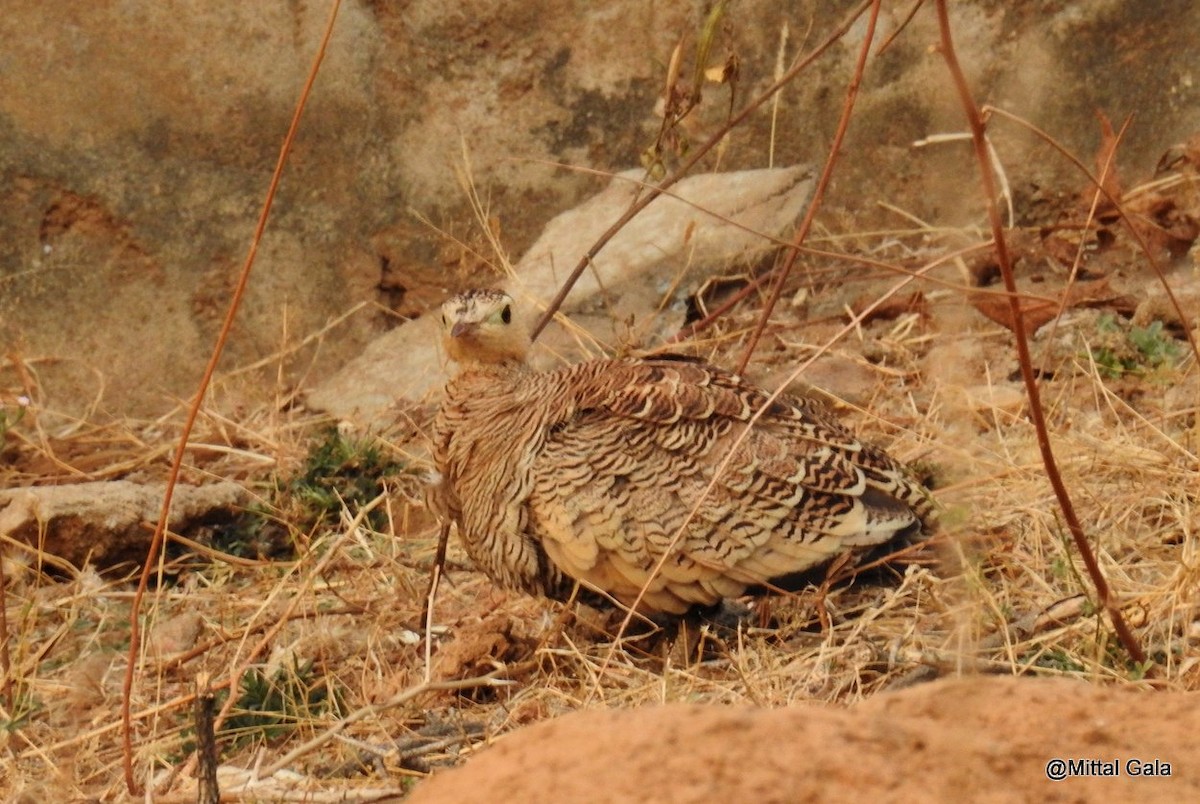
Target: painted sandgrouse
(594,472)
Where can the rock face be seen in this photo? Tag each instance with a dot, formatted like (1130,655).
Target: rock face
(107,522)
(972,738)
(137,139)
(710,221)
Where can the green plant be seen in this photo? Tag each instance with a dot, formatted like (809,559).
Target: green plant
(1134,352)
(340,471)
(337,472)
(1054,659)
(21,710)
(1156,346)
(10,420)
(1061,568)
(270,707)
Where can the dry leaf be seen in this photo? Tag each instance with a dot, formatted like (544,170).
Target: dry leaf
(723,73)
(1164,225)
(1180,158)
(1106,158)
(1035,313)
(1064,246)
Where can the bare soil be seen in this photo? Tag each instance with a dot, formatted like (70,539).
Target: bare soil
(993,739)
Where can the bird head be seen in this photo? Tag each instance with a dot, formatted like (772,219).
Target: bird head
(481,326)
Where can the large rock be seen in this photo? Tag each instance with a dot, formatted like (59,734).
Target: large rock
(708,222)
(107,522)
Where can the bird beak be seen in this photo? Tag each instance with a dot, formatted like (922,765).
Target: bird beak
(461,328)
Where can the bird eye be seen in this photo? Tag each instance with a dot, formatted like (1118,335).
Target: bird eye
(506,314)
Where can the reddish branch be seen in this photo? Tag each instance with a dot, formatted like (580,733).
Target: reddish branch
(235,301)
(822,183)
(691,161)
(975,120)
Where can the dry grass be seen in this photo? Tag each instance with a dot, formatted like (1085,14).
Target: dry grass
(365,706)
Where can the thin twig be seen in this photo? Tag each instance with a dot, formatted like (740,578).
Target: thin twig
(1036,413)
(912,12)
(435,577)
(691,162)
(239,291)
(5,662)
(400,698)
(439,562)
(822,183)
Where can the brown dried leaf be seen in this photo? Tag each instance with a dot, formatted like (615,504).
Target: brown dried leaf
(1164,225)
(1106,158)
(1184,157)
(1035,313)
(1063,246)
(1024,250)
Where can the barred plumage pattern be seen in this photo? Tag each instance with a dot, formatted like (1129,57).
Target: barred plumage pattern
(594,472)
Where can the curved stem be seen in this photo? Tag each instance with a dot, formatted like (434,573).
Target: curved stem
(975,120)
(826,174)
(156,541)
(689,163)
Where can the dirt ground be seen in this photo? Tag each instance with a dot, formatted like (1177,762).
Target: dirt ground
(979,739)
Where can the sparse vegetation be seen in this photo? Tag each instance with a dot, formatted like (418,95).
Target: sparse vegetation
(340,473)
(272,705)
(11,414)
(1126,350)
(340,476)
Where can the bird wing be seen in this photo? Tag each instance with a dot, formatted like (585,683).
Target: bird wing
(664,458)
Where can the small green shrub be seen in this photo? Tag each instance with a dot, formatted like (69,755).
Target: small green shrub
(271,707)
(338,471)
(1137,351)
